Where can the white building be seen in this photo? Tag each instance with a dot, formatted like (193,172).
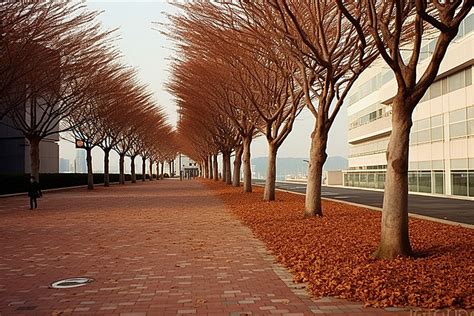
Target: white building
(442,137)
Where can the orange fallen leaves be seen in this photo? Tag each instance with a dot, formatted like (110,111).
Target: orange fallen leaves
(332,254)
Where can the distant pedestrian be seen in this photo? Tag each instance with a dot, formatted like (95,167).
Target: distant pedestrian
(34,192)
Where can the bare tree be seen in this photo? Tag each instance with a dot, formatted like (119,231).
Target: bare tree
(57,71)
(414,19)
(253,85)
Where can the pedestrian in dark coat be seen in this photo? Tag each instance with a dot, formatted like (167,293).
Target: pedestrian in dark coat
(34,192)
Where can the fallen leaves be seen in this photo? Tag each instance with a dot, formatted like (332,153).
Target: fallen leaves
(332,254)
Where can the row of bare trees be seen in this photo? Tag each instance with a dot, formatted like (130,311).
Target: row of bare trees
(61,72)
(247,68)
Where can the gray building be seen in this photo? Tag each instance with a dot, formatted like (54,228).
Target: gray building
(15,151)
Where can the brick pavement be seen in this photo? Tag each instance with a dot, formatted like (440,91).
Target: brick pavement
(155,248)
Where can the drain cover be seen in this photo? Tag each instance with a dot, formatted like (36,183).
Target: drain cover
(69,283)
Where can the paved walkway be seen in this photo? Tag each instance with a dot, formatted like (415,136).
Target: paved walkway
(160,248)
(452,209)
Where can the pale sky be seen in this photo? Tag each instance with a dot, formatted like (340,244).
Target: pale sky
(145,48)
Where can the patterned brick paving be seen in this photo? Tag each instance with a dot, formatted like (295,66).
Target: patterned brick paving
(160,248)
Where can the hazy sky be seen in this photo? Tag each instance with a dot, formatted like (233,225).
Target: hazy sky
(145,48)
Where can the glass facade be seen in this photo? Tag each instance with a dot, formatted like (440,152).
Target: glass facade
(442,133)
(428,181)
(424,181)
(462,177)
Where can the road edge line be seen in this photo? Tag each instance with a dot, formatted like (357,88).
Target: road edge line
(417,216)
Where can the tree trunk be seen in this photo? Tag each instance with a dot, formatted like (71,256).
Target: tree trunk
(132,168)
(269,191)
(158,170)
(237,166)
(144,168)
(162,170)
(211,169)
(395,239)
(206,168)
(228,170)
(34,156)
(246,161)
(90,175)
(224,167)
(122,168)
(170,165)
(151,170)
(215,168)
(317,158)
(106,167)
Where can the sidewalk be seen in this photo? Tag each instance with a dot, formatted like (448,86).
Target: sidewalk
(154,248)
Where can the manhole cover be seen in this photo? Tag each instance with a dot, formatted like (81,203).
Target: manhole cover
(69,283)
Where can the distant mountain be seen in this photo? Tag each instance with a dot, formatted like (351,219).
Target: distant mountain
(294,166)
(335,163)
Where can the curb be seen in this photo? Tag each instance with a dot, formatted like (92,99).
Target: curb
(428,218)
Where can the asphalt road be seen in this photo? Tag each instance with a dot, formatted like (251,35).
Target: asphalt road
(456,210)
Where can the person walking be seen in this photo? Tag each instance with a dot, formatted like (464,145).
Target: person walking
(34,192)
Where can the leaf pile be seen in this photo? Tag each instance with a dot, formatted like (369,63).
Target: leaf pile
(332,254)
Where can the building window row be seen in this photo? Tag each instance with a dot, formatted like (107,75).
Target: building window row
(431,181)
(369,114)
(429,178)
(461,122)
(376,82)
(458,80)
(418,181)
(372,167)
(369,148)
(427,130)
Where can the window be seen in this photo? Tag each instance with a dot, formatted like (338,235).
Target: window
(424,165)
(459,183)
(363,179)
(413,181)
(381,181)
(456,81)
(468,76)
(435,90)
(424,136)
(470,112)
(438,164)
(457,129)
(457,116)
(471,184)
(437,120)
(424,181)
(371,180)
(437,134)
(439,182)
(457,164)
(470,127)
(423,124)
